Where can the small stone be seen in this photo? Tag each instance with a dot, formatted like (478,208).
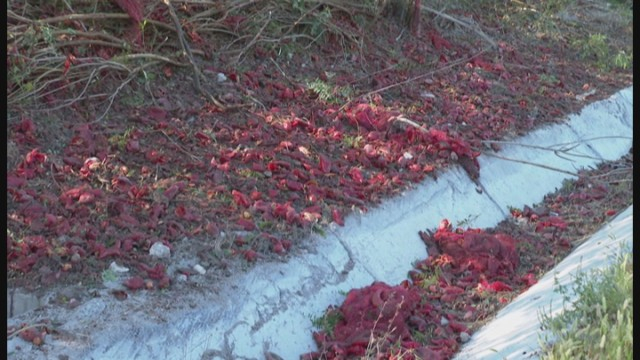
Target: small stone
(444,321)
(93,163)
(464,337)
(160,250)
(75,258)
(221,77)
(117,268)
(199,269)
(427,95)
(182,278)
(468,315)
(73,303)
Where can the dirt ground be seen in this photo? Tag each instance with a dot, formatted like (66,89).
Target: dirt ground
(299,118)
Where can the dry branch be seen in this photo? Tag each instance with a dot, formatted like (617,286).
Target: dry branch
(415,78)
(473,27)
(187,52)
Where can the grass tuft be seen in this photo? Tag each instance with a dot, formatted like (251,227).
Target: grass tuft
(600,323)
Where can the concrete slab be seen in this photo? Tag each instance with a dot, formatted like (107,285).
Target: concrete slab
(270,307)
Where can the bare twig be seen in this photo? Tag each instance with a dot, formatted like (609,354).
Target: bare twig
(531,163)
(187,51)
(473,27)
(17,332)
(615,172)
(180,147)
(562,148)
(76,43)
(120,87)
(414,124)
(418,77)
(69,17)
(558,152)
(282,72)
(255,38)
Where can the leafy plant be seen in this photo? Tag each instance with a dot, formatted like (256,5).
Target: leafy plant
(467,221)
(109,275)
(596,47)
(329,93)
(328,321)
(600,323)
(120,141)
(430,278)
(623,60)
(568,185)
(352,141)
(322,89)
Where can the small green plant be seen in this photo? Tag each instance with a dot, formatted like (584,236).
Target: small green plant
(328,321)
(596,47)
(599,325)
(329,93)
(568,185)
(623,60)
(430,278)
(322,89)
(352,141)
(120,141)
(548,79)
(420,337)
(467,221)
(248,173)
(318,230)
(109,275)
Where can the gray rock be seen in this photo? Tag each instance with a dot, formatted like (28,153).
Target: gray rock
(464,337)
(160,250)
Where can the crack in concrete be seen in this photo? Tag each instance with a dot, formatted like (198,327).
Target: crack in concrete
(622,110)
(11,302)
(350,264)
(276,306)
(227,349)
(454,189)
(413,209)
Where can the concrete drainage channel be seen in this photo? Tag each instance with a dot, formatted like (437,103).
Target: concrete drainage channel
(270,307)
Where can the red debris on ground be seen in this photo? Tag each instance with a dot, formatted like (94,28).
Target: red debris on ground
(421,319)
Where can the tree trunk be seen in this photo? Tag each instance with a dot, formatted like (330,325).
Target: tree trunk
(405,12)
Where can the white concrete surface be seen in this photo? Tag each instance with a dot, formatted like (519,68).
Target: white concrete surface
(270,307)
(514,334)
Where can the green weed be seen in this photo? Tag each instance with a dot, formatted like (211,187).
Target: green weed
(466,222)
(109,275)
(599,324)
(329,93)
(354,142)
(328,321)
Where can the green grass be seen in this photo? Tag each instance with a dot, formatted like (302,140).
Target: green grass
(600,323)
(328,321)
